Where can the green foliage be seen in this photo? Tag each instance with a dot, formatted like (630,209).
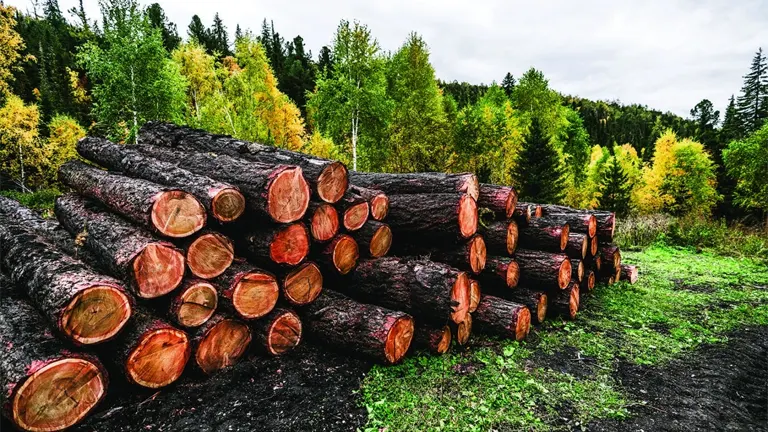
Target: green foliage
(158,20)
(64,132)
(42,199)
(11,44)
(533,97)
(464,93)
(747,163)
(752,104)
(22,154)
(691,180)
(615,189)
(539,175)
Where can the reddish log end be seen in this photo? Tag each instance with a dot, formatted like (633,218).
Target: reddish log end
(195,304)
(344,253)
(591,280)
(159,357)
(333,182)
(290,245)
(177,214)
(399,339)
(598,262)
(288,196)
(541,308)
(592,226)
(324,224)
(564,276)
(379,207)
(255,294)
(222,344)
(512,236)
(303,284)
(460,295)
(474,295)
(537,211)
(564,236)
(577,269)
(210,255)
(435,340)
(593,246)
(157,270)
(284,333)
(629,273)
(227,205)
(96,314)
(503,317)
(467,216)
(356,216)
(477,254)
(380,242)
(464,330)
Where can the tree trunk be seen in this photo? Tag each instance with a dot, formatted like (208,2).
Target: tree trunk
(271,245)
(611,259)
(577,246)
(606,225)
(543,234)
(354,209)
(276,193)
(209,254)
(170,212)
(523,213)
(536,209)
(468,255)
(543,270)
(419,287)
(219,343)
(588,283)
(327,178)
(194,304)
(446,216)
(500,273)
(418,183)
(593,246)
(565,302)
(577,269)
(323,221)
(502,200)
(580,221)
(474,295)
(152,268)
(500,237)
(435,340)
(246,291)
(46,385)
(629,273)
(380,333)
(462,330)
(535,301)
(501,317)
(223,201)
(340,255)
(85,306)
(278,332)
(374,239)
(302,285)
(378,201)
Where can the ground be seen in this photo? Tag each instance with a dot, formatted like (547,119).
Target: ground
(684,349)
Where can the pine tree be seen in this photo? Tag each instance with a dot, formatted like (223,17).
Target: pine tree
(198,33)
(707,118)
(752,105)
(614,188)
(159,20)
(325,61)
(508,84)
(731,126)
(219,38)
(238,33)
(539,175)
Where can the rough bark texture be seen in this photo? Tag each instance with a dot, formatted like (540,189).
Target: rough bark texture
(374,239)
(377,200)
(277,333)
(629,273)
(136,199)
(433,339)
(340,256)
(223,201)
(302,285)
(219,343)
(445,216)
(536,209)
(277,193)
(124,250)
(469,255)
(543,269)
(500,273)
(606,225)
(536,301)
(323,221)
(578,246)
(544,234)
(328,178)
(523,213)
(194,304)
(246,291)
(282,245)
(500,237)
(565,302)
(611,259)
(581,221)
(502,200)
(577,269)
(418,183)
(502,317)
(423,288)
(373,331)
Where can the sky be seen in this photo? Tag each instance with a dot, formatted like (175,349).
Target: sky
(667,54)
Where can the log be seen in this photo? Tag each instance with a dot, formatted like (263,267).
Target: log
(502,317)
(222,201)
(374,331)
(565,302)
(593,246)
(46,386)
(219,343)
(580,221)
(194,304)
(378,201)
(501,272)
(536,209)
(246,291)
(355,210)
(502,200)
(150,352)
(588,283)
(536,301)
(302,285)
(463,330)
(340,255)
(85,306)
(170,212)
(597,263)
(420,287)
(278,332)
(629,273)
(474,295)
(435,340)
(374,239)
(543,270)
(323,221)
(447,216)
(577,246)
(150,267)
(418,183)
(467,255)
(276,193)
(209,254)
(544,234)
(523,213)
(281,245)
(500,237)
(577,269)
(328,178)
(606,225)
(611,259)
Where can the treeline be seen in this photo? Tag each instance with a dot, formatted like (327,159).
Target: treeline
(61,78)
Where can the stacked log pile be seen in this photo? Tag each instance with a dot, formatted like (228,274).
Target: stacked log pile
(193,251)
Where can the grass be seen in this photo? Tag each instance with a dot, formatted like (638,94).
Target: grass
(562,376)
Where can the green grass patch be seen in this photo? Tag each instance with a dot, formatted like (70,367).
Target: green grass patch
(41,200)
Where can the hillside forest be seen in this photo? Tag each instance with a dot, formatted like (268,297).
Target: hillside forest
(64,75)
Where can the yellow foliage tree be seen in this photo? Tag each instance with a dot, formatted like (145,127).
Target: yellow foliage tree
(10,46)
(60,146)
(22,154)
(321,146)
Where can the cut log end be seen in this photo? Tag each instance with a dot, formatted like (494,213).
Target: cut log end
(197,304)
(523,323)
(356,216)
(379,207)
(580,269)
(513,274)
(593,243)
(345,254)
(96,314)
(592,226)
(467,216)
(59,395)
(474,295)
(511,203)
(541,308)
(460,295)
(210,255)
(477,254)
(564,275)
(584,246)
(284,334)
(464,330)
(333,182)
(288,196)
(324,224)
(255,295)
(629,273)
(573,303)
(564,233)
(537,211)
(222,345)
(228,205)
(157,270)
(472,187)
(591,280)
(290,245)
(303,284)
(398,339)
(381,242)
(177,214)
(598,263)
(159,358)
(512,236)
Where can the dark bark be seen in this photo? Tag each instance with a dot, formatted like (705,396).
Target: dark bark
(418,183)
(328,178)
(544,234)
(302,284)
(194,304)
(277,333)
(219,343)
(580,221)
(606,225)
(523,213)
(271,245)
(629,273)
(502,200)
(536,209)
(354,209)
(445,216)
(535,301)
(246,291)
(577,269)
(276,193)
(169,211)
(369,330)
(611,259)
(500,237)
(433,339)
(502,317)
(469,255)
(340,256)
(323,221)
(377,200)
(374,239)
(565,302)
(578,245)
(222,201)
(543,270)
(500,273)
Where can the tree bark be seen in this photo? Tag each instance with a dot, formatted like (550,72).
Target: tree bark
(536,209)
(209,254)
(374,239)
(432,339)
(500,273)
(377,200)
(374,331)
(581,221)
(323,221)
(611,259)
(500,237)
(150,267)
(219,343)
(222,201)
(340,256)
(194,304)
(536,301)
(246,291)
(327,178)
(276,193)
(523,214)
(278,332)
(354,208)
(418,183)
(281,245)
(467,255)
(302,284)
(445,216)
(565,302)
(170,212)
(544,234)
(502,317)
(629,273)
(543,270)
(577,269)
(577,246)
(502,200)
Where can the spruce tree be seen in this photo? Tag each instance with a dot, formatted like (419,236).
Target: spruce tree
(614,188)
(752,105)
(219,38)
(197,32)
(539,174)
(159,20)
(508,84)
(731,128)
(238,33)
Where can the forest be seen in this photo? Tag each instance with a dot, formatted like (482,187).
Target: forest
(65,75)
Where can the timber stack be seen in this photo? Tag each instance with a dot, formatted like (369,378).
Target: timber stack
(191,251)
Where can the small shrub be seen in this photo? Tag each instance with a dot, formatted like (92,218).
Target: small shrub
(41,200)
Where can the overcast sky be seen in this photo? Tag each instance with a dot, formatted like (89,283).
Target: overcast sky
(666,54)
